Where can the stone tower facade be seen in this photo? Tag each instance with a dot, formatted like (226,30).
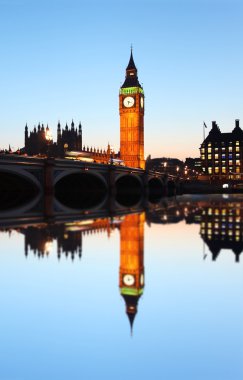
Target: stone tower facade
(131,107)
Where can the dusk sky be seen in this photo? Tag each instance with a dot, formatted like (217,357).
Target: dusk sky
(64,59)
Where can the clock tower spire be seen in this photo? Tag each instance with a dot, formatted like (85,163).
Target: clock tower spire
(131,107)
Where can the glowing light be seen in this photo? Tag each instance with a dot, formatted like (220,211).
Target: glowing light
(48,246)
(48,135)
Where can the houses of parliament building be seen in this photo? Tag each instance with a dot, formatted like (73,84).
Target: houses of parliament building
(131,110)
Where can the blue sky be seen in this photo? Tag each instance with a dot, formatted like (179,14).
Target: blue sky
(66,59)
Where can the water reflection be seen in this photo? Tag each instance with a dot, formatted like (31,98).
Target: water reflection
(131,262)
(221,228)
(220,219)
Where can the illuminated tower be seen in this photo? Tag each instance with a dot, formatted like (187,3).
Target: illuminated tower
(131,262)
(131,107)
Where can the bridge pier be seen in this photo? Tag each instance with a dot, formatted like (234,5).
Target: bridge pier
(112,181)
(145,184)
(48,187)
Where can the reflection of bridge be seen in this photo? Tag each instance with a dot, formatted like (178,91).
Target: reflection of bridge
(84,184)
(221,227)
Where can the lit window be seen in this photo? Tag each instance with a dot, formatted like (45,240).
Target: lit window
(237,155)
(230,148)
(210,170)
(230,162)
(237,149)
(209,144)
(216,211)
(216,163)
(209,150)
(238,169)
(216,170)
(238,162)
(216,225)
(224,169)
(237,143)
(223,148)
(216,156)
(203,157)
(210,211)
(202,150)
(216,149)
(209,156)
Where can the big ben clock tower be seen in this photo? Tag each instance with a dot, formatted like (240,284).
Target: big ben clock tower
(131,107)
(131,280)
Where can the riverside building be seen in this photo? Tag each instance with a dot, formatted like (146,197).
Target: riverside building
(221,153)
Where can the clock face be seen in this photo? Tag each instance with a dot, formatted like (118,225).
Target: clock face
(128,101)
(128,279)
(141,102)
(142,279)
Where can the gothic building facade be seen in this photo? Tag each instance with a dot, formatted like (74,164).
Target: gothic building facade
(36,141)
(40,140)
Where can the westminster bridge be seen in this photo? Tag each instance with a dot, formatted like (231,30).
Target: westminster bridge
(61,185)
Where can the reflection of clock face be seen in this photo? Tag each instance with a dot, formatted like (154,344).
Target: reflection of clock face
(128,101)
(142,279)
(128,279)
(141,102)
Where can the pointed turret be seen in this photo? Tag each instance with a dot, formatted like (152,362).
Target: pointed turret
(131,74)
(131,64)
(131,307)
(26,131)
(80,136)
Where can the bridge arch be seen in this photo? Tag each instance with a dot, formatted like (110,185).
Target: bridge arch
(18,188)
(80,189)
(156,189)
(129,189)
(63,173)
(22,174)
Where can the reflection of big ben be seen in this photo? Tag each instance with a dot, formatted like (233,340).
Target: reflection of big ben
(131,106)
(131,262)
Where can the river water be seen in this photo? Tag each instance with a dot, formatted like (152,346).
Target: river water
(154,294)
